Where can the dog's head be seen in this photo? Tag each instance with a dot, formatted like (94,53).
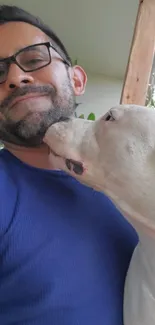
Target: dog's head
(115,154)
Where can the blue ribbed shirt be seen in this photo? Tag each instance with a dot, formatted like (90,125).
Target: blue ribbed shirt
(64,249)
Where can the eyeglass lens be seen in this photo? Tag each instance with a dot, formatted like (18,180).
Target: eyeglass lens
(29,59)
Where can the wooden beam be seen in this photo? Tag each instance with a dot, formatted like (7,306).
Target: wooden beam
(141,56)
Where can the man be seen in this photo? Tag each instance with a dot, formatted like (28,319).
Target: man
(64,248)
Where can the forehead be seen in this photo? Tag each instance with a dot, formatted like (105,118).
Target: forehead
(139,123)
(137,115)
(16,35)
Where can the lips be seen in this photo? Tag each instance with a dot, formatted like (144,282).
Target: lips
(20,99)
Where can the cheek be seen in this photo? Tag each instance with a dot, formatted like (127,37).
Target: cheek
(44,76)
(114,146)
(3,93)
(114,159)
(52,74)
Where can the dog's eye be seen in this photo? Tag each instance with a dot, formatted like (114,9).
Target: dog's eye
(108,117)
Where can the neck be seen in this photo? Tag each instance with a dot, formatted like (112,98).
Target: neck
(36,157)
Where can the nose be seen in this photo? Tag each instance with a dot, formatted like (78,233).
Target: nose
(17,78)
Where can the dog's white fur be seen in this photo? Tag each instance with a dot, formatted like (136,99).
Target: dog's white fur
(119,159)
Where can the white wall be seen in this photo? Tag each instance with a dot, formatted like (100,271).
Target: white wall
(101,94)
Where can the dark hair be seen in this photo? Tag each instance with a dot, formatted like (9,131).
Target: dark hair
(13,13)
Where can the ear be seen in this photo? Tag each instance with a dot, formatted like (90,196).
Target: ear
(78,79)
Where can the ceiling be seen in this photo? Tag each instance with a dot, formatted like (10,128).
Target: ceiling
(98,34)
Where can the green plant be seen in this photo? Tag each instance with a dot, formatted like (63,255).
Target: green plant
(90,117)
(150,98)
(75,62)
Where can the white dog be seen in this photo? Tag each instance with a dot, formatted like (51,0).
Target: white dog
(116,155)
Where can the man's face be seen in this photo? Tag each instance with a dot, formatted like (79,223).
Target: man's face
(31,101)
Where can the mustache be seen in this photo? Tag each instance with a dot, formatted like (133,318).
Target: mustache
(27,89)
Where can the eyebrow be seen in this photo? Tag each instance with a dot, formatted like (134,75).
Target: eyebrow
(17,50)
(5,57)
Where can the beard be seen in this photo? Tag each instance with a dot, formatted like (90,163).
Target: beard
(29,130)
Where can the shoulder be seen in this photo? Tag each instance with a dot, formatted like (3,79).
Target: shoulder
(120,230)
(116,230)
(8,194)
(106,211)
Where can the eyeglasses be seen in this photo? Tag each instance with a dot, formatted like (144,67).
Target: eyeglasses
(30,58)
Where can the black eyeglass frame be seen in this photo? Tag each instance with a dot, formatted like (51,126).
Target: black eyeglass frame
(12,59)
